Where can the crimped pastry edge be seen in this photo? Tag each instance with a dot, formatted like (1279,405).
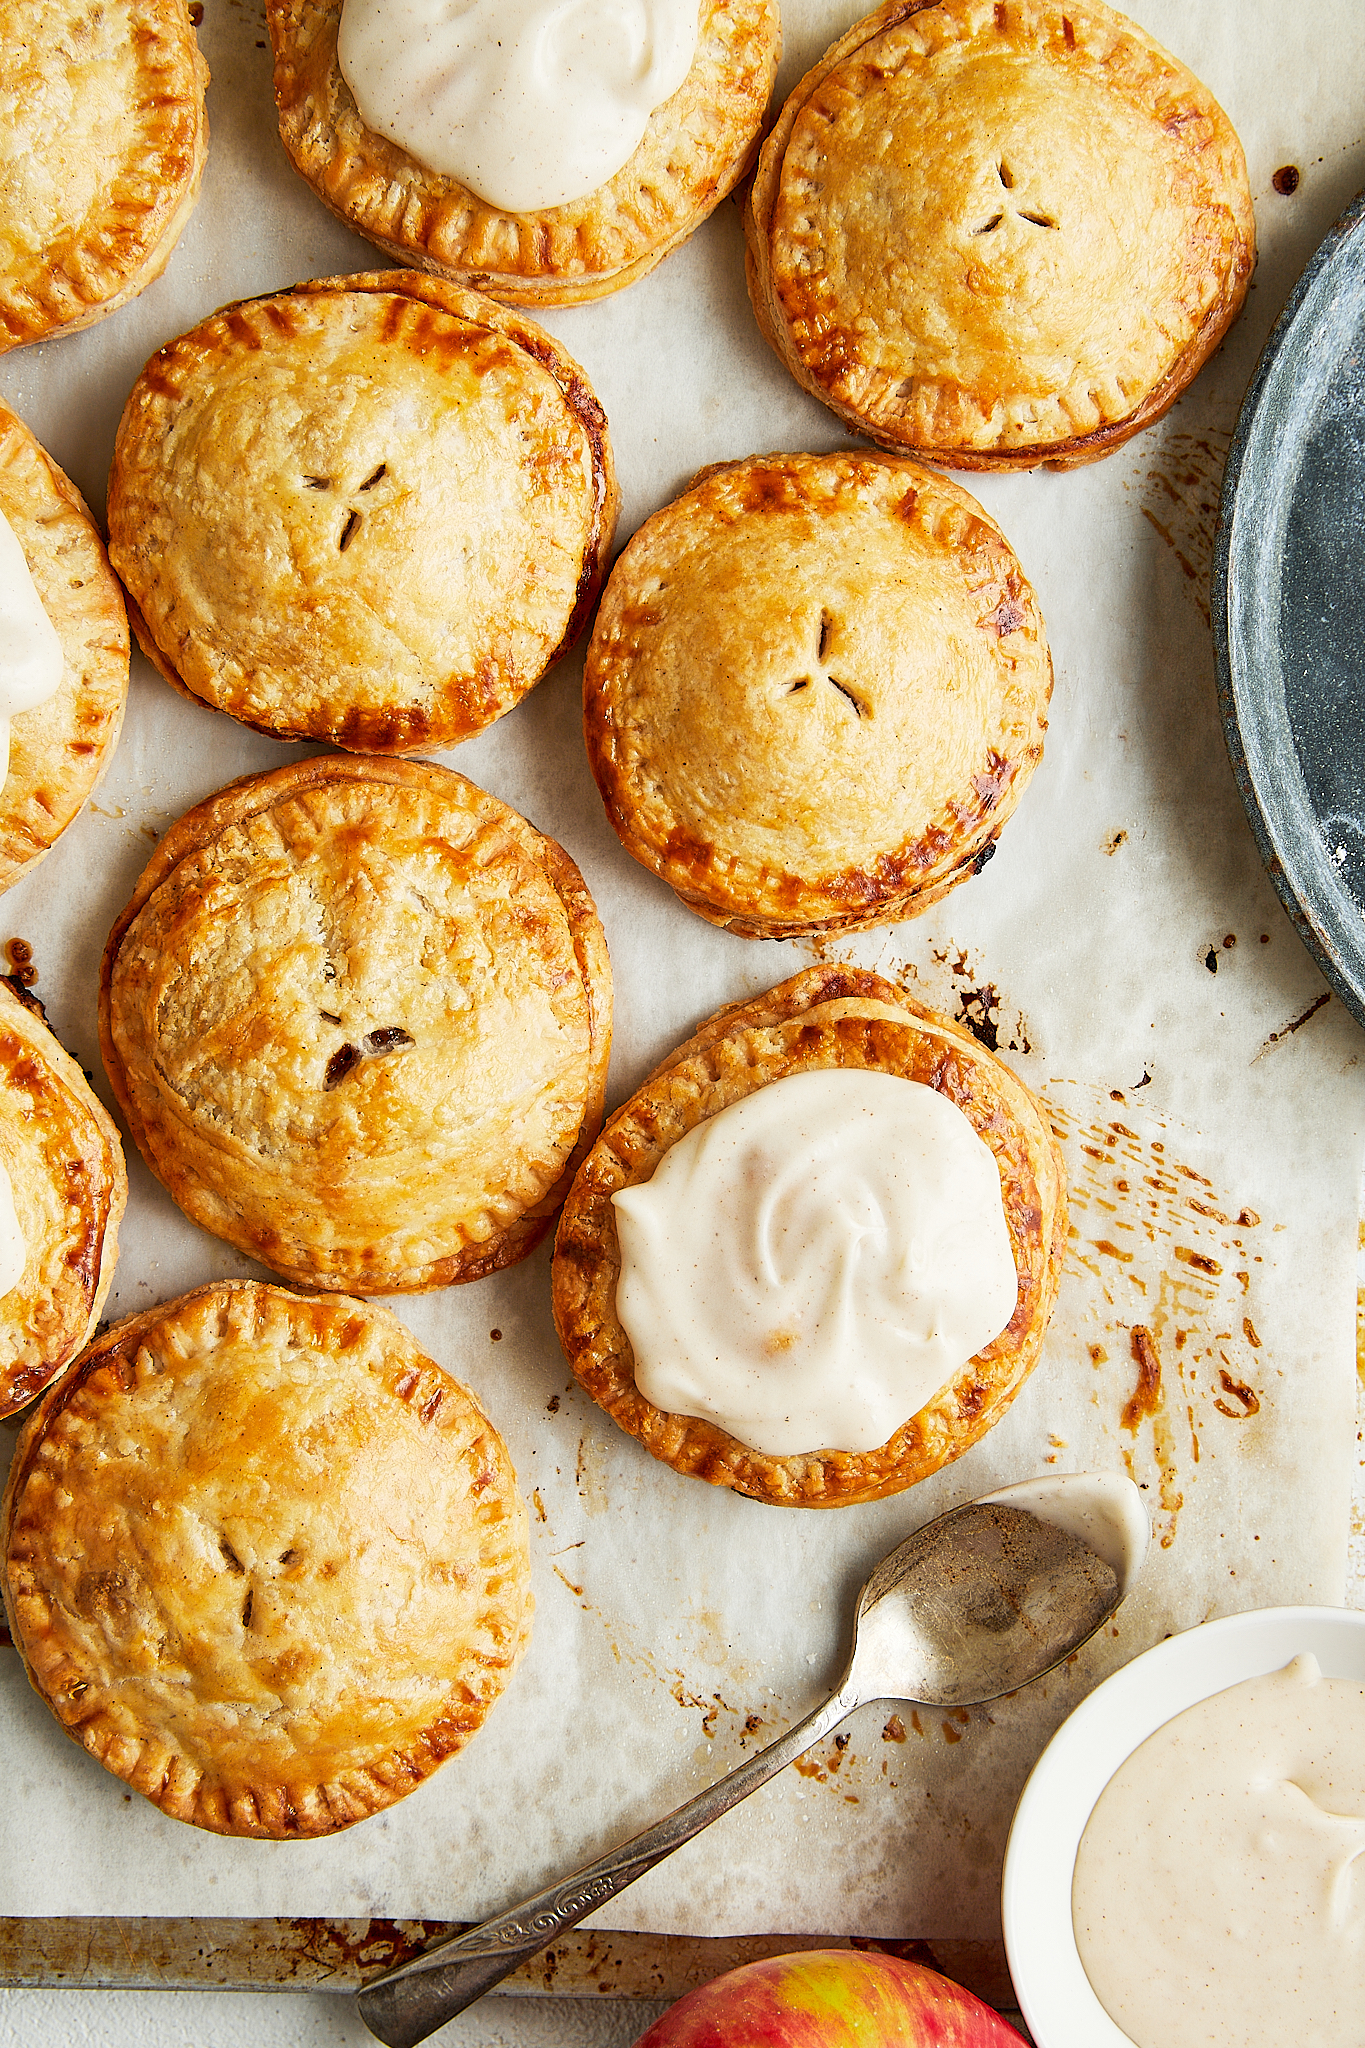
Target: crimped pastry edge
(92,1272)
(78,731)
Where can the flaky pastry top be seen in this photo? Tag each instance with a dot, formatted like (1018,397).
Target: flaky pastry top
(265,1560)
(102,144)
(371,510)
(694,148)
(357,1015)
(816,689)
(999,231)
(831,1016)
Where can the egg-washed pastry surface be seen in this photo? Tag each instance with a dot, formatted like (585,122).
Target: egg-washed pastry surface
(357,1016)
(694,148)
(102,145)
(999,232)
(371,510)
(823,1019)
(265,1560)
(63,1189)
(58,749)
(816,688)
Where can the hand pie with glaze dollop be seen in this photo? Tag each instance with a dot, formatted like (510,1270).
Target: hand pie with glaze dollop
(695,147)
(59,750)
(825,1018)
(63,1171)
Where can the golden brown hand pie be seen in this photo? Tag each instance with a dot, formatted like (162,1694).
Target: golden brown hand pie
(694,149)
(999,232)
(102,144)
(371,510)
(61,1152)
(265,1560)
(825,1017)
(357,1015)
(816,688)
(60,749)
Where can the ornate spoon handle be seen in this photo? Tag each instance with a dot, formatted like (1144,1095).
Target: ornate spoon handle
(405,2005)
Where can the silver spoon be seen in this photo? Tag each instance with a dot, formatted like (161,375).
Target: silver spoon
(969,1608)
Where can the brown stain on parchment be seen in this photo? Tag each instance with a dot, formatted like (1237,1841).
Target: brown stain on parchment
(952,985)
(1171,1265)
(1178,497)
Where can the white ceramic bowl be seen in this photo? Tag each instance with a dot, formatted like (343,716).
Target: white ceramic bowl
(1053,1990)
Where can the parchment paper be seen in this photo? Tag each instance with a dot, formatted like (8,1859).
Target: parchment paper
(1125,951)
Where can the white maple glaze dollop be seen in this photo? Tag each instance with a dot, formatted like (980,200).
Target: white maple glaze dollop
(30,651)
(529,103)
(1219,1891)
(808,1267)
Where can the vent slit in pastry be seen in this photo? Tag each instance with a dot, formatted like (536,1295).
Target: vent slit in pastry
(862,710)
(342,1062)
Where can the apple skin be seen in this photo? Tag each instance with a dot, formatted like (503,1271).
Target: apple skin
(830,1998)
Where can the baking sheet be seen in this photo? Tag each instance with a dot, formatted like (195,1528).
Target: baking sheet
(1125,951)
(1287,610)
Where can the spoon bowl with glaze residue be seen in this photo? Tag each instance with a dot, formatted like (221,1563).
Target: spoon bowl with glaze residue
(972,1606)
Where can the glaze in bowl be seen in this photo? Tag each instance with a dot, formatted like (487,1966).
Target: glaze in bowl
(1053,1990)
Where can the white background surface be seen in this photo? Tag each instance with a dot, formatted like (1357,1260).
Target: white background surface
(1095,947)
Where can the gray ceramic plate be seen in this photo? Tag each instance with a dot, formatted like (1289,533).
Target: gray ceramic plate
(1289,606)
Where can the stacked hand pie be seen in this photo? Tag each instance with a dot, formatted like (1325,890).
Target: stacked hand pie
(357,1016)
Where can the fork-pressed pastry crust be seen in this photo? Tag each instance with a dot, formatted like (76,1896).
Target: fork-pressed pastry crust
(357,1016)
(816,689)
(62,1152)
(265,1560)
(102,146)
(371,510)
(999,232)
(824,1017)
(60,749)
(694,149)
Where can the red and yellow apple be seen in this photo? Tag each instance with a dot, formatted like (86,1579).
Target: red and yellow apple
(830,1998)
